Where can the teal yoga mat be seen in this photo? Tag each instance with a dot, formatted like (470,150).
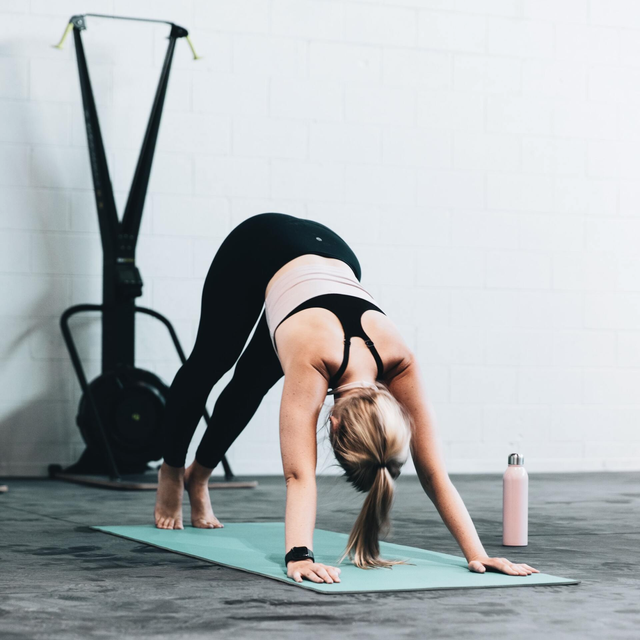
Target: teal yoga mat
(258,548)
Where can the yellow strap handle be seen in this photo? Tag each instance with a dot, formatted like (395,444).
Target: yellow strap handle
(195,55)
(64,36)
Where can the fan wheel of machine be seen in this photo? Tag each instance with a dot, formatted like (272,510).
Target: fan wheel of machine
(130,403)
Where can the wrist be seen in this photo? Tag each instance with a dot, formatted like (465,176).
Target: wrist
(297,554)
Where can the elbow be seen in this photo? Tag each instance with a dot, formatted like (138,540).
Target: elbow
(298,476)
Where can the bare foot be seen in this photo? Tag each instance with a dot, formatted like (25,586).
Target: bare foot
(168,512)
(196,481)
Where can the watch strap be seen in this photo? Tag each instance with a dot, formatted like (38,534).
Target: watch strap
(299,553)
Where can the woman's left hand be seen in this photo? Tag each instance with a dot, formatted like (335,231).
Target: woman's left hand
(502,565)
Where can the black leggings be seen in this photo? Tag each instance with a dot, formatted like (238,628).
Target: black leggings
(232,301)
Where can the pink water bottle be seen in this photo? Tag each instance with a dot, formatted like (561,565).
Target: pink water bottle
(515,503)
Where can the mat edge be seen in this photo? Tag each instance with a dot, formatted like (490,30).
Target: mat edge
(292,583)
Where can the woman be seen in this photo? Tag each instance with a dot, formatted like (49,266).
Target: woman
(331,338)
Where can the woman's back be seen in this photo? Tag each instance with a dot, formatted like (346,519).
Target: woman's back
(317,334)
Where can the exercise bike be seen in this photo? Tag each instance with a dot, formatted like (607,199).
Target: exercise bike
(120,411)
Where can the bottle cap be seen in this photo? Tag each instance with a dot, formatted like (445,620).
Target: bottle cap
(516,458)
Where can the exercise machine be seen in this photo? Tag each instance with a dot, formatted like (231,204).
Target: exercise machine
(120,411)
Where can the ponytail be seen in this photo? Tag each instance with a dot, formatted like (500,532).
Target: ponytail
(370,443)
(373,521)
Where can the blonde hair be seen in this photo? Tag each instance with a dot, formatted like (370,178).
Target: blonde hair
(370,442)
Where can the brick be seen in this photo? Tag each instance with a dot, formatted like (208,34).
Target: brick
(555,79)
(308,19)
(307,180)
(577,119)
(451,346)
(190,216)
(269,137)
(451,189)
(417,67)
(458,111)
(554,156)
(230,94)
(584,348)
(487,74)
(550,309)
(429,307)
(378,104)
(14,78)
(551,232)
(615,13)
(572,11)
(193,133)
(57,81)
(574,194)
(587,43)
(66,254)
(421,227)
(482,151)
(483,384)
(60,167)
(584,271)
(345,62)
(380,25)
(613,234)
(489,7)
(519,347)
(628,349)
(484,308)
(14,251)
(516,114)
(451,268)
(628,277)
(243,16)
(306,99)
(229,176)
(14,161)
(417,147)
(550,385)
(514,423)
(451,32)
(379,184)
(612,386)
(608,310)
(518,270)
(521,38)
(37,209)
(519,192)
(339,142)
(265,56)
(482,229)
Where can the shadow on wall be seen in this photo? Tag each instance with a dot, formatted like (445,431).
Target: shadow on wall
(40,391)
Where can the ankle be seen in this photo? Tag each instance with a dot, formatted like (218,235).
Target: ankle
(197,474)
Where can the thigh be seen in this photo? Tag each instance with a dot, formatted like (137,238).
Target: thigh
(258,367)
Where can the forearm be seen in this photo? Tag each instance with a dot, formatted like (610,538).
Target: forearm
(300,514)
(454,514)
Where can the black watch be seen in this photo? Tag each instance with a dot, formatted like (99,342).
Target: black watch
(299,553)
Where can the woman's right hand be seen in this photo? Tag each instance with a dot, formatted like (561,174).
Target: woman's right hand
(314,571)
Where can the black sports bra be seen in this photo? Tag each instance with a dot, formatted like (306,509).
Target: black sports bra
(349,310)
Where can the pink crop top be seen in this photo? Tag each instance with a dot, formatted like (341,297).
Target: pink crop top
(301,283)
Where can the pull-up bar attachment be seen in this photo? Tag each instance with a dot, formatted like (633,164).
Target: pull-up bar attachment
(78,22)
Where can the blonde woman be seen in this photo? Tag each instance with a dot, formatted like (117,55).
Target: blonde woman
(324,332)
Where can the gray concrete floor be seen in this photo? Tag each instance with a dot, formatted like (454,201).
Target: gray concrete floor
(59,579)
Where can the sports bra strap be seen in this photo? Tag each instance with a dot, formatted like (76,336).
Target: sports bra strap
(345,360)
(376,356)
(343,366)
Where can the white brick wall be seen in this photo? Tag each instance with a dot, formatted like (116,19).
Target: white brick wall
(481,156)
